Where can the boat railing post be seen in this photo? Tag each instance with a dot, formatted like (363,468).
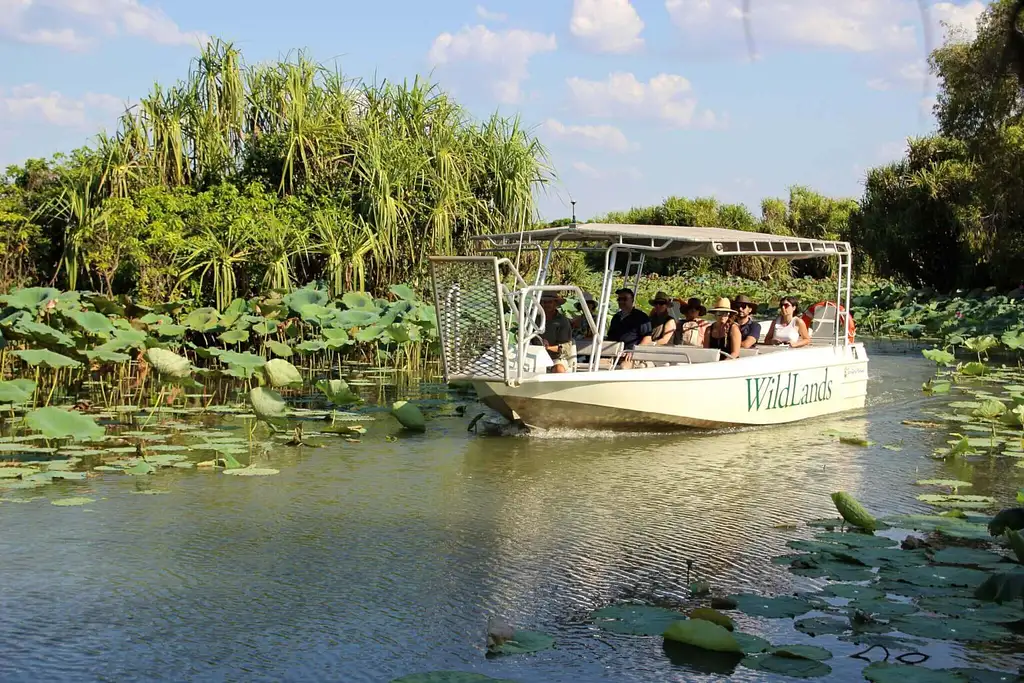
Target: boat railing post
(849,289)
(639,272)
(501,321)
(610,256)
(839,289)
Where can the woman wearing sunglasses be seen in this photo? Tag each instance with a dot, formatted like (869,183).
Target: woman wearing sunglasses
(724,334)
(788,329)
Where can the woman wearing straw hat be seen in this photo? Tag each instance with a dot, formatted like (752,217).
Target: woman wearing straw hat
(723,334)
(691,331)
(663,325)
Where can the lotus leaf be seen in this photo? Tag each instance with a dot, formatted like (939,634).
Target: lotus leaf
(892,643)
(72,501)
(990,409)
(31,298)
(55,423)
(523,642)
(234,336)
(168,330)
(702,634)
(306,296)
(794,667)
(712,615)
(267,403)
(782,607)
(939,357)
(279,349)
(168,363)
(359,301)
(449,677)
(822,626)
(281,373)
(971,608)
(370,333)
(248,361)
(852,591)
(986,675)
(882,608)
(17,391)
(355,317)
(337,391)
(956,500)
(884,672)
(856,539)
(802,652)
(403,292)
(252,471)
(140,468)
(106,355)
(973,369)
(47,359)
(938,576)
(949,629)
(635,620)
(310,347)
(965,556)
(265,328)
(750,644)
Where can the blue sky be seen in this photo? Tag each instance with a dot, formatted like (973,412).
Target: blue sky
(636,100)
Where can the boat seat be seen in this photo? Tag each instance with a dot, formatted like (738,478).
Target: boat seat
(674,355)
(609,349)
(746,353)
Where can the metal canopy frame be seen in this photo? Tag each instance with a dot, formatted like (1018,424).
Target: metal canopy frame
(667,241)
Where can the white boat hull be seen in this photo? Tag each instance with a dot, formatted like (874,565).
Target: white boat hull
(770,388)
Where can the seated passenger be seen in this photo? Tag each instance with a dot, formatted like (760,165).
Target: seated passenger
(663,325)
(557,338)
(750,331)
(723,334)
(691,331)
(788,329)
(629,325)
(580,328)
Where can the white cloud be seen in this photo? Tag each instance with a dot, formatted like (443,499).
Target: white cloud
(32,102)
(890,151)
(627,172)
(607,25)
(858,26)
(600,136)
(879,84)
(78,24)
(665,97)
(962,17)
(500,57)
(488,15)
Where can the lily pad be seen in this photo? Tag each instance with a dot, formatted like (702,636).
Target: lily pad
(882,608)
(787,666)
(802,652)
(966,556)
(884,672)
(947,483)
(782,607)
(949,629)
(856,539)
(635,620)
(702,634)
(970,608)
(822,626)
(751,644)
(55,423)
(852,591)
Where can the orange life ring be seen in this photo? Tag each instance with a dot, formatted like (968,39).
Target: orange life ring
(851,326)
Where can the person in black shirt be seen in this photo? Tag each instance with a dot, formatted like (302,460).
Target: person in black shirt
(630,325)
(750,331)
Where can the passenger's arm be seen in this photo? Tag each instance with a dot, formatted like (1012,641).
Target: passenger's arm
(707,335)
(805,336)
(668,331)
(770,337)
(735,341)
(751,339)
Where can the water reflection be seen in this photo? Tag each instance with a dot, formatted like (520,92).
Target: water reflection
(362,562)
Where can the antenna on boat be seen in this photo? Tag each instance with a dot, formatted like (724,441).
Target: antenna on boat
(573,202)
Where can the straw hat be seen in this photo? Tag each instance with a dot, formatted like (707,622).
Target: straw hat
(660,296)
(744,299)
(722,306)
(588,297)
(695,303)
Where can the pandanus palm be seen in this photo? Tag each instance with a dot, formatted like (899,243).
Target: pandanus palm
(216,253)
(345,244)
(78,208)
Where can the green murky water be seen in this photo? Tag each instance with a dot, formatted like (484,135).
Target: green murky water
(367,561)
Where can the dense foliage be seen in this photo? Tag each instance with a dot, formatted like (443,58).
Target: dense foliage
(243,179)
(950,213)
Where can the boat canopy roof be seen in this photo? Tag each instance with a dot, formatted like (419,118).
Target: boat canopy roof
(663,241)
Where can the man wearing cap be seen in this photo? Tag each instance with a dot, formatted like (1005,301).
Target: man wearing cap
(557,337)
(750,331)
(663,325)
(630,325)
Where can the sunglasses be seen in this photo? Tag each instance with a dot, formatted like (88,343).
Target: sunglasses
(623,298)
(786,305)
(661,303)
(747,306)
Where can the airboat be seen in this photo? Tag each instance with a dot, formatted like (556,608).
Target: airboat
(488,314)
